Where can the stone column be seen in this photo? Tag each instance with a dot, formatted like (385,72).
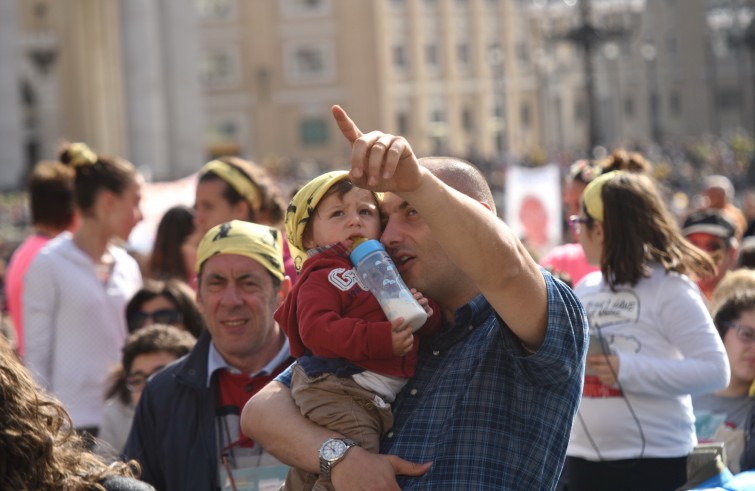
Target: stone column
(184,96)
(11,133)
(144,87)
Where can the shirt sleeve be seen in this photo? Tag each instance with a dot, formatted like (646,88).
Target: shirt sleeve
(39,307)
(561,357)
(684,321)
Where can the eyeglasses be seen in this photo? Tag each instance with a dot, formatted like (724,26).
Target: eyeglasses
(162,316)
(135,381)
(745,334)
(574,222)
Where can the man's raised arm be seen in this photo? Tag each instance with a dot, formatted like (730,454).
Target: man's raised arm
(480,244)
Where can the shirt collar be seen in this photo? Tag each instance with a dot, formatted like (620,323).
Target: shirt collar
(215,362)
(466,319)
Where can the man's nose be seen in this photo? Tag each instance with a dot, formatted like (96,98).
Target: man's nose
(391,235)
(231,295)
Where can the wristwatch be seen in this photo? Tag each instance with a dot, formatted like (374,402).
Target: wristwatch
(332,452)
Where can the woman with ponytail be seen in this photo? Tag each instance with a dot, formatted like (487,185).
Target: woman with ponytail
(77,288)
(652,341)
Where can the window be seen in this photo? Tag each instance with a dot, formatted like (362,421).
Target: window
(304,8)
(399,57)
(522,53)
(675,103)
(671,45)
(579,111)
(311,61)
(525,115)
(431,56)
(402,123)
(216,9)
(219,67)
(467,120)
(313,131)
(629,107)
(462,54)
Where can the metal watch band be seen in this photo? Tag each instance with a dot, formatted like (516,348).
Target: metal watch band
(326,466)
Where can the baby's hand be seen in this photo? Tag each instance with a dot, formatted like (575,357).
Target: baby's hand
(423,302)
(401,337)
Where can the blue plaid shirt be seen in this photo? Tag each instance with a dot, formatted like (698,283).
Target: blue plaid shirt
(489,415)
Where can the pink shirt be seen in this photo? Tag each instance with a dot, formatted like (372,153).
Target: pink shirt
(14,281)
(569,259)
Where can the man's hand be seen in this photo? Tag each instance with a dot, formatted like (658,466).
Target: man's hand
(361,470)
(379,161)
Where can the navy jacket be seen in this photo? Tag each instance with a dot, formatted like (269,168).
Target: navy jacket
(173,433)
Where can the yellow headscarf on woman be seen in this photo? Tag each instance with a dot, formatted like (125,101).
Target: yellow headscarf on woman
(592,195)
(237,179)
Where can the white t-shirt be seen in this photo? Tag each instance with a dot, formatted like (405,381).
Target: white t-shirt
(75,325)
(668,348)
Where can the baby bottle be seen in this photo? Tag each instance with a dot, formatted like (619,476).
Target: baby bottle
(378,273)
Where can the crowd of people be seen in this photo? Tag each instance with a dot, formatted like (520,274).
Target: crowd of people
(245,349)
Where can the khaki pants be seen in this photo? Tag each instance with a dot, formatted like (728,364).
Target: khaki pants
(341,405)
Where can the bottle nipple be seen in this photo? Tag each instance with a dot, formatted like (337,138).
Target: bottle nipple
(357,242)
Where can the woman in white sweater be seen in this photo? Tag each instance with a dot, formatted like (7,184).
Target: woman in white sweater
(77,287)
(652,343)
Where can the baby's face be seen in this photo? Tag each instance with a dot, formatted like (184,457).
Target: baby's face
(344,218)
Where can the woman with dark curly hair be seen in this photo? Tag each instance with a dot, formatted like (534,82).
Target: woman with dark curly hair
(41,451)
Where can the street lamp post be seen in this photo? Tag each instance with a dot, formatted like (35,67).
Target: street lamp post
(586,37)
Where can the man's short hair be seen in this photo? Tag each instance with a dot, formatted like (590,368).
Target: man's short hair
(720,182)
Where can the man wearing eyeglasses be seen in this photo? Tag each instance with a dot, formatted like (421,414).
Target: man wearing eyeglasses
(722,416)
(713,232)
(186,432)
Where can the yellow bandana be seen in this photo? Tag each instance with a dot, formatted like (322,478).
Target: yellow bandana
(237,179)
(302,207)
(259,242)
(592,198)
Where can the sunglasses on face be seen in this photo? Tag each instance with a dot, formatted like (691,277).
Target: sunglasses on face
(162,316)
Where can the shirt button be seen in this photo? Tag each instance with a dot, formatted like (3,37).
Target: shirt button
(389,434)
(436,352)
(471,328)
(413,392)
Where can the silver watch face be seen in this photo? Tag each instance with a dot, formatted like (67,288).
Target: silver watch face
(333,450)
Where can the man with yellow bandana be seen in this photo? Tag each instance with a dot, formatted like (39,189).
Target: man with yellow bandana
(185,433)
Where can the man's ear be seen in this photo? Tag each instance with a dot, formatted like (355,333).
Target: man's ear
(198,296)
